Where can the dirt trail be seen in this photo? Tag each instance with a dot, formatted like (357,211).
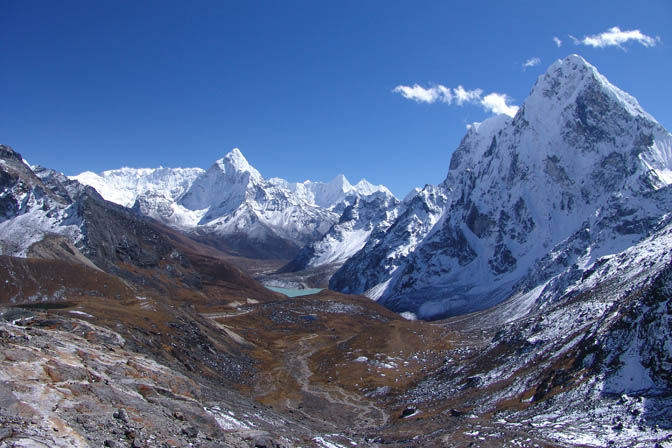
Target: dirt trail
(358,409)
(225,315)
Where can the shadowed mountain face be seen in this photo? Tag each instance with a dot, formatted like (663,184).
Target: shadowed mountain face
(116,330)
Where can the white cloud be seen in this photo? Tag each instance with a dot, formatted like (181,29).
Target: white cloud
(421,95)
(497,104)
(531,62)
(444,94)
(493,102)
(614,37)
(557,41)
(466,96)
(417,93)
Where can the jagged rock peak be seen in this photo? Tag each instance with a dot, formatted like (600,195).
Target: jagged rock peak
(6,152)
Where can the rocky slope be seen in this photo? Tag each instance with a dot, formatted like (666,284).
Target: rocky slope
(89,359)
(114,372)
(526,200)
(590,368)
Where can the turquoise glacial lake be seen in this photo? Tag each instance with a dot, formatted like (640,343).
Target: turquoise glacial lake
(295,292)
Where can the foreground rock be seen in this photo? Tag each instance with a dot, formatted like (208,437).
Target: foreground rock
(67,383)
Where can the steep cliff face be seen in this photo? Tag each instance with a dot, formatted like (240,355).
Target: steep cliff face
(525,200)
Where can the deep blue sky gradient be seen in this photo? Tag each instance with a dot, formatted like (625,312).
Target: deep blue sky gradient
(303,88)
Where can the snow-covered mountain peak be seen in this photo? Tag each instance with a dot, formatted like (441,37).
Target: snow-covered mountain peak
(411,194)
(235,162)
(570,80)
(231,199)
(340,183)
(333,195)
(225,185)
(366,188)
(573,159)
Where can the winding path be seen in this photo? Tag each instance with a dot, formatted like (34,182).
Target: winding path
(365,413)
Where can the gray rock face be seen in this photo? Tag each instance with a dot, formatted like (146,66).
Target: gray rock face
(524,200)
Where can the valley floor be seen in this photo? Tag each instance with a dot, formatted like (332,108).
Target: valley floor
(327,370)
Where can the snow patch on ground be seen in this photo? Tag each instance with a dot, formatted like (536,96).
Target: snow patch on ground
(324,443)
(227,419)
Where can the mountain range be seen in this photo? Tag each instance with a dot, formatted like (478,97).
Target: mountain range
(542,260)
(232,206)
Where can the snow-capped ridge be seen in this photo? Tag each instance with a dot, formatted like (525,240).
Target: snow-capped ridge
(123,186)
(32,207)
(564,80)
(477,141)
(411,194)
(341,183)
(232,200)
(488,126)
(364,217)
(333,195)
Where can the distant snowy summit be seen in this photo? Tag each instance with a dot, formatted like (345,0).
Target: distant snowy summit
(529,204)
(124,185)
(231,201)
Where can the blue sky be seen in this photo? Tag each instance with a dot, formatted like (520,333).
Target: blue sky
(306,90)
